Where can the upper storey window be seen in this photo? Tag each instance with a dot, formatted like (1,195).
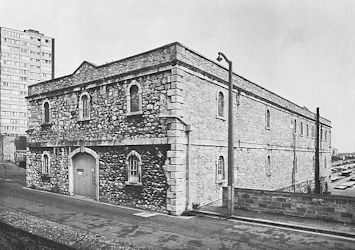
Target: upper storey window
(268,119)
(134,98)
(84,106)
(46,115)
(220,104)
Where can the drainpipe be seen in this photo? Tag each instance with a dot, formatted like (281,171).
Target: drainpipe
(187,176)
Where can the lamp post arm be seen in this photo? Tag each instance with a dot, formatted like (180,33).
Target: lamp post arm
(225,58)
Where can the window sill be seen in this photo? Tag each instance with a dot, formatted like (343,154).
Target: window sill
(221,182)
(45,125)
(128,183)
(221,118)
(268,128)
(134,113)
(84,119)
(46,177)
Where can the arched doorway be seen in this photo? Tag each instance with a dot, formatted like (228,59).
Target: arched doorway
(84,175)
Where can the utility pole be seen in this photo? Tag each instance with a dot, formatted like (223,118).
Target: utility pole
(230,137)
(316,172)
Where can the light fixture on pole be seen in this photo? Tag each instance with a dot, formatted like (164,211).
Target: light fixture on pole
(221,56)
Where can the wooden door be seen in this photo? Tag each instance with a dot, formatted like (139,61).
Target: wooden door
(84,175)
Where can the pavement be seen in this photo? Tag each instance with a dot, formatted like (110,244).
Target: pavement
(86,224)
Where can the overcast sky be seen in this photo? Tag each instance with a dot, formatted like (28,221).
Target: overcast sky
(303,50)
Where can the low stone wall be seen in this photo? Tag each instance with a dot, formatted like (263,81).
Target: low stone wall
(326,207)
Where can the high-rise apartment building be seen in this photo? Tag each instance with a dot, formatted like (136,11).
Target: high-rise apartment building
(26,57)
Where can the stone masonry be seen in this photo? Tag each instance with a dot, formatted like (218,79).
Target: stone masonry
(177,132)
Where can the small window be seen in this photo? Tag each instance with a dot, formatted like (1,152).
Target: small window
(45,163)
(268,166)
(220,104)
(330,139)
(46,112)
(325,162)
(301,128)
(313,131)
(325,135)
(134,98)
(314,163)
(295,126)
(84,106)
(267,118)
(134,174)
(307,131)
(321,134)
(220,169)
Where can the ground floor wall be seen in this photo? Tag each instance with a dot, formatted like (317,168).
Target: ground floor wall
(320,206)
(288,170)
(112,171)
(7,147)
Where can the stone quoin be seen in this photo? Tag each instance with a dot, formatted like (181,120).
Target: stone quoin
(150,131)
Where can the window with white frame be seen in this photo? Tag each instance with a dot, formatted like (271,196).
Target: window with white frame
(307,130)
(325,162)
(84,106)
(46,112)
(220,169)
(134,168)
(220,104)
(267,117)
(45,163)
(134,98)
(301,128)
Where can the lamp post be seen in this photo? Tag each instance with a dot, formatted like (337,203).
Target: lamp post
(221,56)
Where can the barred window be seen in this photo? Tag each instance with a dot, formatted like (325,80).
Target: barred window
(45,163)
(134,173)
(220,169)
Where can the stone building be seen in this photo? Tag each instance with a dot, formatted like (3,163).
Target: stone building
(150,131)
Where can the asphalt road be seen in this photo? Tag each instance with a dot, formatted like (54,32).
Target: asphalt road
(159,231)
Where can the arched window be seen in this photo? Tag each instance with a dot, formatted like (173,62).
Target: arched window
(134,98)
(220,104)
(46,112)
(267,118)
(134,173)
(84,106)
(301,128)
(45,163)
(268,166)
(220,169)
